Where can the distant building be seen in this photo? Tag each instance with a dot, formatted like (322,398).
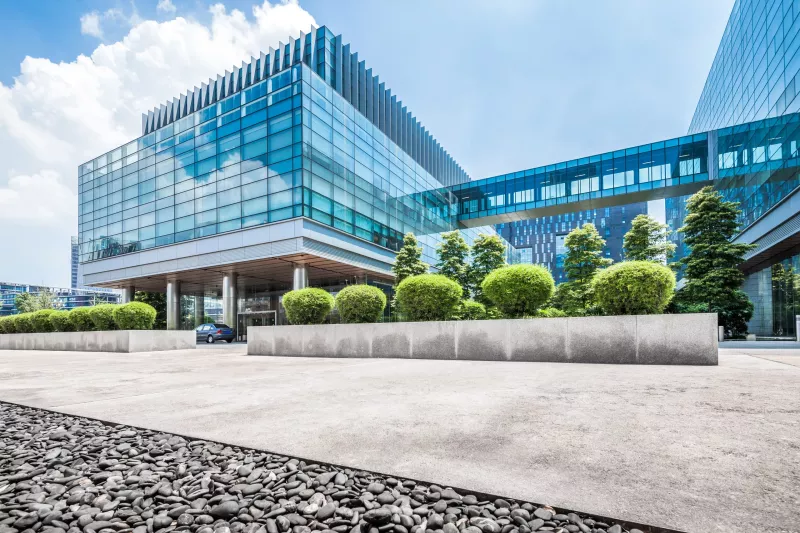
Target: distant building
(541,240)
(74,262)
(64,298)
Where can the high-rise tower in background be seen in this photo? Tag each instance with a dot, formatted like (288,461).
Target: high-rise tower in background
(74,262)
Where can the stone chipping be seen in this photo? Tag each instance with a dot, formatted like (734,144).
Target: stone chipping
(67,474)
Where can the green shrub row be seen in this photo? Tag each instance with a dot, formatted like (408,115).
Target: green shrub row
(104,317)
(356,304)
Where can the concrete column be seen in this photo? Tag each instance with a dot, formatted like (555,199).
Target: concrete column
(721,334)
(299,277)
(127,294)
(230,306)
(173,304)
(199,309)
(797,326)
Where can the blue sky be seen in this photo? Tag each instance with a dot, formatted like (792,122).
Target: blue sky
(503,85)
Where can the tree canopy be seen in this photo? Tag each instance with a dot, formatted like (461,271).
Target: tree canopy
(409,260)
(648,240)
(488,254)
(583,259)
(453,254)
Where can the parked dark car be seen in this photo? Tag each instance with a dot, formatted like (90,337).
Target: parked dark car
(215,332)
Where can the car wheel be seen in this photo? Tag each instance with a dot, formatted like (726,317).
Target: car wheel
(229,341)
(210,339)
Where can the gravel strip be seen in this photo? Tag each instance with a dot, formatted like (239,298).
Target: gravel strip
(69,474)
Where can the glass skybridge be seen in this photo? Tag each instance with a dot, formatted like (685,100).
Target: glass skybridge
(755,164)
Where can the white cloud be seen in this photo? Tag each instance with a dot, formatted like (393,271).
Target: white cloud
(90,25)
(165,6)
(56,116)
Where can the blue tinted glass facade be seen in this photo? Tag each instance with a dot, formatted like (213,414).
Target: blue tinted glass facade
(541,240)
(754,74)
(324,143)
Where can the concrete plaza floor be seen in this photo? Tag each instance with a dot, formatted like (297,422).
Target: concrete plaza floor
(691,448)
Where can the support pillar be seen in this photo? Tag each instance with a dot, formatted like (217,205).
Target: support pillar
(127,294)
(173,304)
(199,310)
(299,277)
(230,306)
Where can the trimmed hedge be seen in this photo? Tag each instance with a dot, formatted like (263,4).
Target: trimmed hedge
(60,321)
(81,319)
(550,312)
(102,317)
(428,297)
(307,306)
(41,320)
(634,288)
(470,310)
(519,290)
(359,304)
(23,323)
(135,315)
(7,324)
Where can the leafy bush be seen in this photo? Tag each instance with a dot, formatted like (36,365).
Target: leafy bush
(550,312)
(307,306)
(6,324)
(519,290)
(428,297)
(41,321)
(135,315)
(634,288)
(470,310)
(23,323)
(360,304)
(60,321)
(81,319)
(103,317)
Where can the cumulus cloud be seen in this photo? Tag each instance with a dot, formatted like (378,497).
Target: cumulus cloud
(56,116)
(165,6)
(90,25)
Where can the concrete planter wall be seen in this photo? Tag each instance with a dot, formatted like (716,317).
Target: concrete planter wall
(645,339)
(127,341)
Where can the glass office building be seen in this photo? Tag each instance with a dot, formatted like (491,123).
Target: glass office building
(299,167)
(540,240)
(754,77)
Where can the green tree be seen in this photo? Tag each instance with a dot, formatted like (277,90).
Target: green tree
(711,266)
(158,300)
(26,302)
(648,240)
(488,254)
(583,259)
(409,260)
(45,300)
(453,253)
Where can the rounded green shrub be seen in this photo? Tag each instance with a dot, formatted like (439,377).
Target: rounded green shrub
(135,315)
(470,310)
(634,288)
(358,304)
(41,320)
(103,317)
(81,319)
(23,323)
(307,306)
(428,297)
(519,290)
(60,321)
(550,312)
(5,322)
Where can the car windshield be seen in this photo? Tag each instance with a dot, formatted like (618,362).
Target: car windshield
(221,326)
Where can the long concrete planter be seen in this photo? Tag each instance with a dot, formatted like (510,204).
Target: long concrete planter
(644,339)
(127,341)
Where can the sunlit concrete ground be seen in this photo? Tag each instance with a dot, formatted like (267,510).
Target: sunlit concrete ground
(692,448)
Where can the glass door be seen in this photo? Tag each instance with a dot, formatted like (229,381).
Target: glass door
(256,318)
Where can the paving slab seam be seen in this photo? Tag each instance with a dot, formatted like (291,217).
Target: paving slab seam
(482,495)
